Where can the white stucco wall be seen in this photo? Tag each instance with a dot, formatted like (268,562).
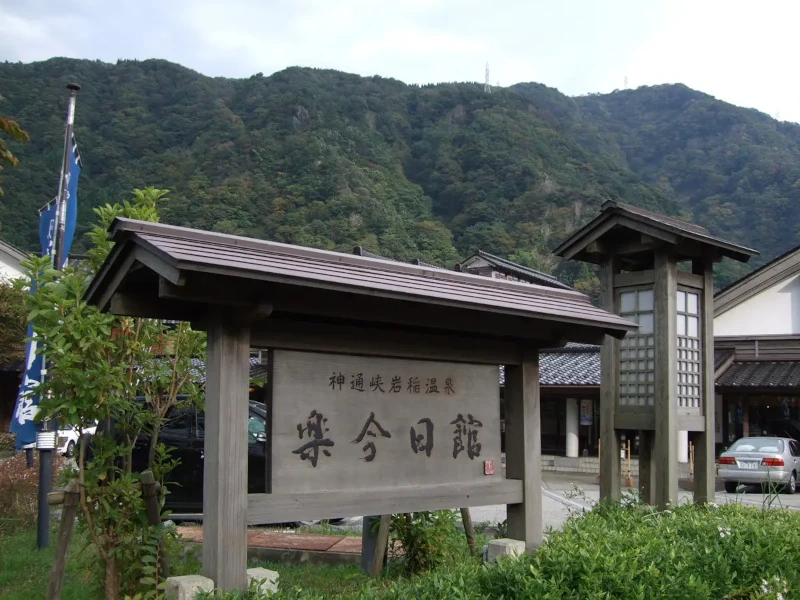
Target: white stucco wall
(774,311)
(9,272)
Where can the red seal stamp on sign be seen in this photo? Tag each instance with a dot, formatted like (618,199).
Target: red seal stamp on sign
(488,467)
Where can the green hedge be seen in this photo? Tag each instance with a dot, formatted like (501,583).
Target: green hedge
(634,552)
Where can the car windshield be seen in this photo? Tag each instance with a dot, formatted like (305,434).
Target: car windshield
(255,425)
(757,445)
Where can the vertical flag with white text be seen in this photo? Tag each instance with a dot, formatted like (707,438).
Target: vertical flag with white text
(27,403)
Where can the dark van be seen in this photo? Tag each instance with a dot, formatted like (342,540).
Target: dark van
(184,434)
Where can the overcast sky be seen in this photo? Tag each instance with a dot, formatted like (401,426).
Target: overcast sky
(741,51)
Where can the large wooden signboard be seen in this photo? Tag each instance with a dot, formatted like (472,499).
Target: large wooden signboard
(364,427)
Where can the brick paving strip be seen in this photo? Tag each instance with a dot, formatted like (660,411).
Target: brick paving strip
(287,541)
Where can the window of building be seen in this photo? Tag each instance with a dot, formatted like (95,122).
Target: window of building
(637,350)
(688,329)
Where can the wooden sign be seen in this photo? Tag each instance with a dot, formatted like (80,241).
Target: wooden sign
(343,422)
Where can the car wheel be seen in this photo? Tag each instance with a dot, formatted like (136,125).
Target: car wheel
(791,487)
(70,451)
(731,486)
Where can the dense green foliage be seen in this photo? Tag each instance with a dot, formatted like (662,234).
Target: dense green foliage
(332,160)
(12,130)
(634,552)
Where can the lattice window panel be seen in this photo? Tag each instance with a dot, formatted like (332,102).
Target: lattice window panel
(637,350)
(688,328)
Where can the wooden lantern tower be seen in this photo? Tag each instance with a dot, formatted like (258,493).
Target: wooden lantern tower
(659,380)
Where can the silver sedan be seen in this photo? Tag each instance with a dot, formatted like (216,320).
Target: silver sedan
(760,460)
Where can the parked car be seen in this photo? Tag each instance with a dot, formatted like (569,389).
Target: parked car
(184,434)
(68,438)
(759,461)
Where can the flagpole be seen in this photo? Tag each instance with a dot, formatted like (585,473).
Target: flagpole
(46,437)
(61,214)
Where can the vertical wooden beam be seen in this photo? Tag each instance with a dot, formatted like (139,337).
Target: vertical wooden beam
(225,469)
(68,513)
(647,468)
(609,394)
(469,529)
(381,542)
(524,449)
(665,450)
(704,467)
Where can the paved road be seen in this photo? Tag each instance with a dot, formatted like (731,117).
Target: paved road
(565,494)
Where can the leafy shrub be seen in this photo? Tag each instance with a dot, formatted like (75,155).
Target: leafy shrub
(635,552)
(423,541)
(632,552)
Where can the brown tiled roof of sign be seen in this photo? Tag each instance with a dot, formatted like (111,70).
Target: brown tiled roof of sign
(193,250)
(761,374)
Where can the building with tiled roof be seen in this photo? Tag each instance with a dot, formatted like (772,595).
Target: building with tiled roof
(489,265)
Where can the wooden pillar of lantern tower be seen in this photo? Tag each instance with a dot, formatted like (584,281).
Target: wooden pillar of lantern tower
(659,380)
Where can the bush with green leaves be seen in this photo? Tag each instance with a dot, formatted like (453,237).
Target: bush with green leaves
(636,552)
(630,552)
(427,540)
(99,368)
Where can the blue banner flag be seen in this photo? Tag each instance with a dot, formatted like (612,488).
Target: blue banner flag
(72,198)
(27,403)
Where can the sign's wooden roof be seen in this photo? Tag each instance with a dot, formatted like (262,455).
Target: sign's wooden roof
(162,268)
(627,230)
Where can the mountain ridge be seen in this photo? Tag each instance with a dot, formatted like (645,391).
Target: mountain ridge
(335,160)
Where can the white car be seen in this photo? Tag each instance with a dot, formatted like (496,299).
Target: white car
(68,438)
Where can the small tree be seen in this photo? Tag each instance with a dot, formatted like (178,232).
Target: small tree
(13,322)
(125,374)
(12,129)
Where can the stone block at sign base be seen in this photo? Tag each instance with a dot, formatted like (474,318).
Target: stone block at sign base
(504,547)
(186,587)
(268,580)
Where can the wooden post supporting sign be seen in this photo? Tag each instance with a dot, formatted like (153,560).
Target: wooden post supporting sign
(524,450)
(225,469)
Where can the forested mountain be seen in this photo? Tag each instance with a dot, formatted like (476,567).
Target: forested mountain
(332,160)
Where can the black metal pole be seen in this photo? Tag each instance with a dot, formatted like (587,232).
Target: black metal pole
(46,437)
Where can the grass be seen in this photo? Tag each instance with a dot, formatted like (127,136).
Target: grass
(330,582)
(25,570)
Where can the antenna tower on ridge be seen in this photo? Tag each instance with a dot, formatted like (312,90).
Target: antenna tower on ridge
(487,86)
(626,83)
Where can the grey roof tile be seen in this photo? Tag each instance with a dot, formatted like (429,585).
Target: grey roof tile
(572,365)
(761,374)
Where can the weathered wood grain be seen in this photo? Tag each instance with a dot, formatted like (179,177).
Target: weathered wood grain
(280,508)
(704,464)
(524,449)
(302,395)
(381,543)
(609,392)
(225,469)
(377,341)
(665,450)
(71,503)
